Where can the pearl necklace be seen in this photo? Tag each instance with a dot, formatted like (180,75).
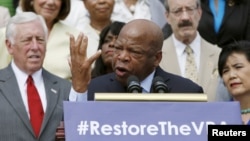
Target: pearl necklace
(245,111)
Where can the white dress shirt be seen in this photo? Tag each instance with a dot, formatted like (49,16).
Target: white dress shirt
(78,15)
(123,14)
(181,55)
(38,82)
(147,82)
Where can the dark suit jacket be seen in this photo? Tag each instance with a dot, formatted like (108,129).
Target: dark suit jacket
(14,120)
(108,83)
(235,24)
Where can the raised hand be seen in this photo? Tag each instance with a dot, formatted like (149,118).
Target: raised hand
(79,63)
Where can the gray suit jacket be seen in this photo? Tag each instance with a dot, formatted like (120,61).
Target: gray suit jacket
(208,69)
(14,120)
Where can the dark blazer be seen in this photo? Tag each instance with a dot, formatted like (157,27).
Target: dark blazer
(176,84)
(14,120)
(235,25)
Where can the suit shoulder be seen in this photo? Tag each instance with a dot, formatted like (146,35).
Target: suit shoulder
(167,43)
(211,46)
(6,73)
(167,40)
(176,77)
(181,84)
(103,78)
(53,77)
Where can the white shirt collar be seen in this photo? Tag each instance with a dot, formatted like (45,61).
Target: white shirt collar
(147,82)
(195,45)
(22,76)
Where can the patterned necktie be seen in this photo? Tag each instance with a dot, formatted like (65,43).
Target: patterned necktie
(35,106)
(190,68)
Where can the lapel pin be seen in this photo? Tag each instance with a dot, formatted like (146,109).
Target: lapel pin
(54,91)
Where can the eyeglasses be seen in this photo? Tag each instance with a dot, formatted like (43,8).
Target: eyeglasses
(178,12)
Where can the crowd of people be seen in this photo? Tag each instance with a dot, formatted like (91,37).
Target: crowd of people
(195,46)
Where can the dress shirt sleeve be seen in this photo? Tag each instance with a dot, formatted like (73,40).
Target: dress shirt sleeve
(75,96)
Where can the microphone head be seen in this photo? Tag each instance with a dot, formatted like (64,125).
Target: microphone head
(157,79)
(133,85)
(159,86)
(132,78)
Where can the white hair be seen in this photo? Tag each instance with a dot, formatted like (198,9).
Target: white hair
(20,18)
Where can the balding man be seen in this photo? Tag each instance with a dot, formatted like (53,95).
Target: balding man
(137,52)
(185,52)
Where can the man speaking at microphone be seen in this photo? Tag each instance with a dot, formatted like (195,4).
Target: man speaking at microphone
(138,52)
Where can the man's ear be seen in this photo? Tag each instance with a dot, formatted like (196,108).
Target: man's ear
(166,15)
(200,12)
(9,46)
(158,58)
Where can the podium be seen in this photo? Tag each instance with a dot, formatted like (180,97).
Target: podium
(164,97)
(147,117)
(169,97)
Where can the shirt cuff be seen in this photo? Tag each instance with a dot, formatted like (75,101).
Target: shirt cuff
(75,96)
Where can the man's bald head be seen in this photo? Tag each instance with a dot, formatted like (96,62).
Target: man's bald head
(137,50)
(145,30)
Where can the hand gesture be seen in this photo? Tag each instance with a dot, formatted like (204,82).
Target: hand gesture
(79,63)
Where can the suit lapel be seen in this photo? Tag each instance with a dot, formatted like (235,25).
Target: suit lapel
(115,86)
(12,94)
(164,75)
(169,58)
(228,12)
(52,94)
(207,63)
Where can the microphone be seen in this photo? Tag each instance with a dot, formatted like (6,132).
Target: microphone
(159,86)
(133,85)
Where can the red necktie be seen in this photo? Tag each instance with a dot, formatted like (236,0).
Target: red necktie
(35,106)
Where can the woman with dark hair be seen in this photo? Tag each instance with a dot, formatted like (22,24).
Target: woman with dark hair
(234,68)
(57,54)
(108,36)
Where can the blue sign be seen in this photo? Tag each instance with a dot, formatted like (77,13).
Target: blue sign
(146,121)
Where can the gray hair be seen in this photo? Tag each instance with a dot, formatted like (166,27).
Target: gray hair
(198,3)
(20,18)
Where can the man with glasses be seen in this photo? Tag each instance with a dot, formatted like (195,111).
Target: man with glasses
(185,53)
